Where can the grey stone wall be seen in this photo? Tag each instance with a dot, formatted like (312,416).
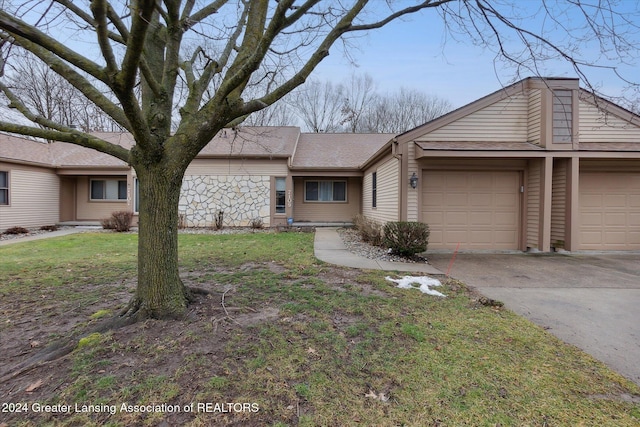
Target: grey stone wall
(241,197)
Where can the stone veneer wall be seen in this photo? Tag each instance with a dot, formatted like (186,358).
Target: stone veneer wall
(242,198)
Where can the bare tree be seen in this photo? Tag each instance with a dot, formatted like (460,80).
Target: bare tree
(48,94)
(177,72)
(319,105)
(400,111)
(359,97)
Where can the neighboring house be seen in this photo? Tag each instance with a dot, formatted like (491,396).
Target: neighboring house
(538,165)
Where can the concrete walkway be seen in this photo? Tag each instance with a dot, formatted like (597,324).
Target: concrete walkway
(47,235)
(328,247)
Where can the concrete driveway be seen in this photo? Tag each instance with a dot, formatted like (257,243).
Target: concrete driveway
(590,301)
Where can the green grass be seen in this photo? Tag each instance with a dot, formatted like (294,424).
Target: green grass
(344,348)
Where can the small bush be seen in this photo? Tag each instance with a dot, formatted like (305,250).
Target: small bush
(256,223)
(16,230)
(370,231)
(119,221)
(219,223)
(406,238)
(49,228)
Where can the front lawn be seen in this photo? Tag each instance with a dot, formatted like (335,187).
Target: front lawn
(282,340)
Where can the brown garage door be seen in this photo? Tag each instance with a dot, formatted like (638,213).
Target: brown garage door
(478,209)
(609,211)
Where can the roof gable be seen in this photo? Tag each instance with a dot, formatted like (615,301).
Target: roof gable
(601,121)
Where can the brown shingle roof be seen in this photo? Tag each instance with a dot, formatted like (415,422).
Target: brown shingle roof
(253,142)
(24,150)
(64,154)
(336,151)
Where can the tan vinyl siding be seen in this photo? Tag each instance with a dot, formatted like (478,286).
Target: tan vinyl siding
(535,116)
(387,192)
(94,210)
(34,196)
(327,211)
(260,167)
(533,204)
(413,195)
(504,121)
(559,203)
(596,126)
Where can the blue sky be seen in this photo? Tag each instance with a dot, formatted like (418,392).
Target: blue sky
(415,53)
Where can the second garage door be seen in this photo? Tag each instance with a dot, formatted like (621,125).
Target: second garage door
(609,211)
(477,209)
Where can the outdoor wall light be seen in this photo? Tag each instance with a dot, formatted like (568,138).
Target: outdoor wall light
(413,181)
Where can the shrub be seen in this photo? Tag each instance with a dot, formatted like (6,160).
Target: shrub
(119,221)
(406,238)
(219,223)
(49,227)
(370,231)
(256,223)
(16,230)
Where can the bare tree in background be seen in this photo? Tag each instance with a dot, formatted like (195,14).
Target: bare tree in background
(400,111)
(319,106)
(48,94)
(174,73)
(359,95)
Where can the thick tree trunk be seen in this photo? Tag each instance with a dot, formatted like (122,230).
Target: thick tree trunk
(160,292)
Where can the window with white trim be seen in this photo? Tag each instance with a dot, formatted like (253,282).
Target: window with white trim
(108,189)
(4,188)
(325,191)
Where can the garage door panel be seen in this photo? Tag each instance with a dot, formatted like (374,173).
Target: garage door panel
(592,219)
(456,219)
(435,237)
(609,211)
(615,237)
(591,200)
(453,182)
(455,236)
(506,200)
(615,200)
(507,219)
(481,219)
(480,209)
(592,237)
(618,219)
(456,199)
(480,200)
(479,237)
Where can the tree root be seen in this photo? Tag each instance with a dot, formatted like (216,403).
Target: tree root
(62,347)
(130,314)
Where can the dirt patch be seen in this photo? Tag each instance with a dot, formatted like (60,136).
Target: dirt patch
(159,349)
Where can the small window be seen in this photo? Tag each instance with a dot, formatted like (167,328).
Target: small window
(281,187)
(108,189)
(4,188)
(374,189)
(325,191)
